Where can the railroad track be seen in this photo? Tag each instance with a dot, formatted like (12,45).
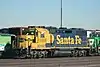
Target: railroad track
(53,62)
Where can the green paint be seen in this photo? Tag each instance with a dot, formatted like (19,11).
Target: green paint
(5,40)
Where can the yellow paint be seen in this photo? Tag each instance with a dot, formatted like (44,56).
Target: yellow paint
(78,40)
(27,41)
(40,41)
(68,40)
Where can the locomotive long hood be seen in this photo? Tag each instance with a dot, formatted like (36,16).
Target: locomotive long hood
(68,40)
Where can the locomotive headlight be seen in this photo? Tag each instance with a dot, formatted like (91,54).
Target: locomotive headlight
(2,48)
(91,41)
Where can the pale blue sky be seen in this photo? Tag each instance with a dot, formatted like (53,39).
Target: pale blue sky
(76,13)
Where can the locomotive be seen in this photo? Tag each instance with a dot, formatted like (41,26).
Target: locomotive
(6,43)
(41,41)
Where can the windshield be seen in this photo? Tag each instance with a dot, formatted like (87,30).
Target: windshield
(28,32)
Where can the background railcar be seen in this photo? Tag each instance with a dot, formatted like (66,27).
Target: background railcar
(6,44)
(94,41)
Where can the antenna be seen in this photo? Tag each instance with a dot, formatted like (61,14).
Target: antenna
(61,13)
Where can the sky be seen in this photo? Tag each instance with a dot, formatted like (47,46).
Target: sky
(76,13)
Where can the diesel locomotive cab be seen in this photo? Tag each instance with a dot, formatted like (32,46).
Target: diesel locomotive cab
(28,32)
(29,36)
(24,42)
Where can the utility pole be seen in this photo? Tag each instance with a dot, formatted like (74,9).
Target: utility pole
(61,13)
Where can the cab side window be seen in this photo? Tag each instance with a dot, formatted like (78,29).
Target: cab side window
(42,35)
(36,34)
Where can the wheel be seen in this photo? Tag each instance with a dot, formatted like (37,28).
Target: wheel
(45,54)
(35,55)
(72,53)
(80,53)
(75,53)
(40,54)
(84,53)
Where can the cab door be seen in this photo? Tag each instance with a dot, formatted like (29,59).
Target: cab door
(41,39)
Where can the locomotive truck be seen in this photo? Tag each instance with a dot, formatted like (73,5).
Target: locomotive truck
(41,41)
